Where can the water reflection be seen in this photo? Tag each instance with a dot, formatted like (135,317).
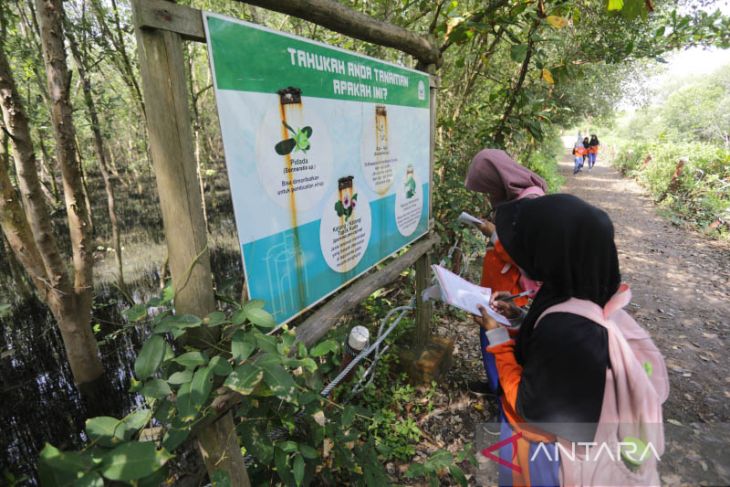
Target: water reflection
(38,400)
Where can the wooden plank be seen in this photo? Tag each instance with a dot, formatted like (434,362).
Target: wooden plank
(422,331)
(423,308)
(170,134)
(338,17)
(311,330)
(160,14)
(188,22)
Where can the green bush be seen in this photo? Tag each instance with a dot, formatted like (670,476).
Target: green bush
(700,195)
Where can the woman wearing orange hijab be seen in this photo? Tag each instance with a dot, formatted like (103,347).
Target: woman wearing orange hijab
(496,175)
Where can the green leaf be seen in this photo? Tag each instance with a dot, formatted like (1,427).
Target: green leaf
(287,445)
(91,479)
(190,360)
(242,345)
(175,436)
(220,478)
(136,420)
(308,364)
(458,475)
(280,382)
(150,357)
(180,377)
(254,303)
(135,313)
(615,5)
(244,379)
(168,293)
(5,310)
(132,461)
(298,470)
(184,403)
(177,323)
(156,389)
(216,318)
(259,317)
(323,348)
(200,387)
(308,452)
(281,461)
(348,416)
(105,430)
(239,317)
(155,480)
(266,343)
(518,52)
(220,366)
(57,468)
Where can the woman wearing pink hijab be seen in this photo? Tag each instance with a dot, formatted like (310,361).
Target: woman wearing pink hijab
(496,175)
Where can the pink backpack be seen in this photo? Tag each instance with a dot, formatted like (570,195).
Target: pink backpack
(630,436)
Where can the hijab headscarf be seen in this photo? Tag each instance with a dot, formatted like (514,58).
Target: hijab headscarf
(567,244)
(495,174)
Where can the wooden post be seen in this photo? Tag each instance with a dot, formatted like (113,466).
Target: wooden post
(171,143)
(423,264)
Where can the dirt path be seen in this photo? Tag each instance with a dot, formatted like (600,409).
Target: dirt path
(681,291)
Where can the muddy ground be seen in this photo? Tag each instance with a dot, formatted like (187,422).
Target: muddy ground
(681,293)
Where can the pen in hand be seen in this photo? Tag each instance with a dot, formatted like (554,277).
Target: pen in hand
(513,296)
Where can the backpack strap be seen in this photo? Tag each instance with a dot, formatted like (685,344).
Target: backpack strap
(591,310)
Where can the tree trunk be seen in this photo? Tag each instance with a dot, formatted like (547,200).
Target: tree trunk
(47,162)
(101,156)
(196,132)
(74,307)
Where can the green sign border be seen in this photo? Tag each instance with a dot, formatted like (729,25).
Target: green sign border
(264,64)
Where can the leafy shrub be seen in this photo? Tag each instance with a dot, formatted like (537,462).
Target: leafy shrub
(701,193)
(292,434)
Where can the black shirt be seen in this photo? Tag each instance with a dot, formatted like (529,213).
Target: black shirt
(564,375)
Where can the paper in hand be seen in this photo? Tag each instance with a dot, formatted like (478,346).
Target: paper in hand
(465,295)
(469,219)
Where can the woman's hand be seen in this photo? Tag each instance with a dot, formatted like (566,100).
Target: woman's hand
(487,228)
(508,309)
(485,321)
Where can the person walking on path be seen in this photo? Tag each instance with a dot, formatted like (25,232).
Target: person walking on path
(578,155)
(593,146)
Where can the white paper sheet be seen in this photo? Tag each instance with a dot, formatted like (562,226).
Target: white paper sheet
(469,219)
(465,295)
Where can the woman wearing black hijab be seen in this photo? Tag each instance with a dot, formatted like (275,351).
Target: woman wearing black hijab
(554,374)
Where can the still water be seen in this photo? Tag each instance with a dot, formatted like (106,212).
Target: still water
(38,400)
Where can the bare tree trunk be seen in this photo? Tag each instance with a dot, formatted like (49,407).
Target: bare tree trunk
(47,162)
(84,186)
(101,155)
(196,135)
(75,306)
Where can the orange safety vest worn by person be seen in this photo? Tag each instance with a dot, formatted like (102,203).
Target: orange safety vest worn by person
(495,174)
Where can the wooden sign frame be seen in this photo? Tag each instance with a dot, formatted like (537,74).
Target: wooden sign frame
(160,28)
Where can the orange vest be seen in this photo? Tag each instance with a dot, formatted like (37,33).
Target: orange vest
(500,273)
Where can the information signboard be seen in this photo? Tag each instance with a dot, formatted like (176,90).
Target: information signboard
(328,159)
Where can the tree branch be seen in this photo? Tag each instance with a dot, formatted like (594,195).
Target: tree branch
(339,18)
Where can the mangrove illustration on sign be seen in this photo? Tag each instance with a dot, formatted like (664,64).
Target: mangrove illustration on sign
(338,141)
